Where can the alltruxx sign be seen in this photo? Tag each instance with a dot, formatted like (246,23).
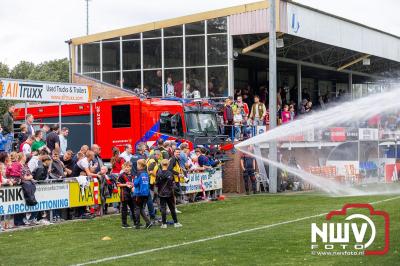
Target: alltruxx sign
(25,90)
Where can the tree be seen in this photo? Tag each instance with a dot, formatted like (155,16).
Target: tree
(54,70)
(4,70)
(4,73)
(22,70)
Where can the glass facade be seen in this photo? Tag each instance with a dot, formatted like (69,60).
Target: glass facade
(131,57)
(91,58)
(132,80)
(173,55)
(111,56)
(193,58)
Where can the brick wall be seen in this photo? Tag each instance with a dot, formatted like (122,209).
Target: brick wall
(232,181)
(104,90)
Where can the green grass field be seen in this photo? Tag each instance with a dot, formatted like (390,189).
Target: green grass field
(284,244)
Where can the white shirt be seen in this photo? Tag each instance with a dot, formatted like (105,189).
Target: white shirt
(26,149)
(83,164)
(63,144)
(127,157)
(170,90)
(32,130)
(33,163)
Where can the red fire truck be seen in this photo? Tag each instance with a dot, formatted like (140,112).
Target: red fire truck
(129,120)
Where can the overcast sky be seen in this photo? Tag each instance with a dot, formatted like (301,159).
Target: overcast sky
(36,30)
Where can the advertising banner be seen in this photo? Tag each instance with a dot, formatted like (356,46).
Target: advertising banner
(339,134)
(87,198)
(24,90)
(48,196)
(368,134)
(391,172)
(306,135)
(203,181)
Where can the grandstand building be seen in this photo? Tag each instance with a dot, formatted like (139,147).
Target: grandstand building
(218,51)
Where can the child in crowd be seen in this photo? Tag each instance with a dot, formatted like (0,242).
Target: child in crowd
(3,140)
(107,187)
(125,181)
(141,193)
(3,179)
(285,114)
(165,185)
(292,113)
(237,121)
(13,171)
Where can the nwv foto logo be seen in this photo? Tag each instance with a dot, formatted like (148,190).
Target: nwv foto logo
(351,233)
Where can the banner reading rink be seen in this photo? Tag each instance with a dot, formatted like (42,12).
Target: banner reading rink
(48,196)
(69,195)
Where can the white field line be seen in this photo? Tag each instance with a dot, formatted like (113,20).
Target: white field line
(214,237)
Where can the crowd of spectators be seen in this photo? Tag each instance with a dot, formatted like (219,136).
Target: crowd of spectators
(243,112)
(42,155)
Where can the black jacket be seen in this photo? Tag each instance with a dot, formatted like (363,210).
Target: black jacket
(56,170)
(41,172)
(29,189)
(165,183)
(126,193)
(97,160)
(8,123)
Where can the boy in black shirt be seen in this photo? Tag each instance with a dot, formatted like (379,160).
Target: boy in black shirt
(125,182)
(165,185)
(248,165)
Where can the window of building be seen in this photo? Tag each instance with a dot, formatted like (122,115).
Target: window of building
(173,52)
(152,34)
(152,80)
(194,28)
(78,55)
(131,79)
(112,78)
(195,51)
(111,56)
(217,25)
(111,39)
(152,53)
(131,36)
(173,31)
(218,81)
(131,55)
(195,82)
(217,50)
(171,124)
(93,75)
(91,57)
(177,80)
(121,116)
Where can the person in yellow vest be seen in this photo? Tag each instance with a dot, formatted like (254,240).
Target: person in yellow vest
(175,167)
(177,173)
(153,164)
(258,112)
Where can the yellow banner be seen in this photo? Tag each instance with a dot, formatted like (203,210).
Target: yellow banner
(76,199)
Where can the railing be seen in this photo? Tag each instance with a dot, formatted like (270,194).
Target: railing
(67,193)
